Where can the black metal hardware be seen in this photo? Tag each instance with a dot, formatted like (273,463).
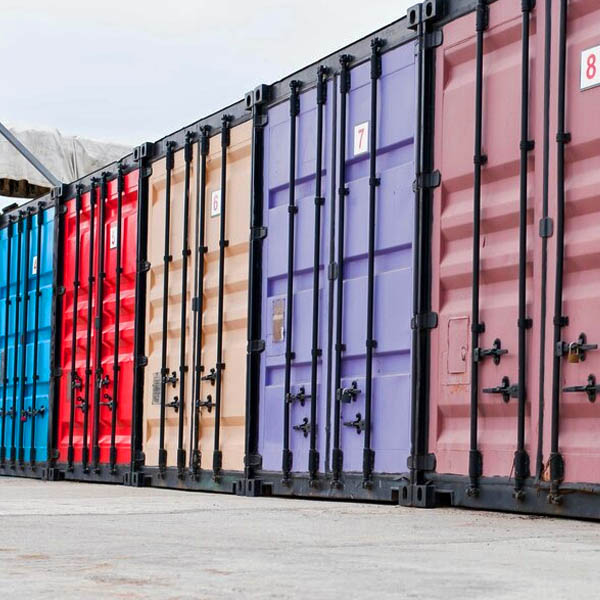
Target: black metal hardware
(185,254)
(169,164)
(116,339)
(376,46)
(349,394)
(591,388)
(546,230)
(7,304)
(337,455)
(100,380)
(174,404)
(225,139)
(507,390)
(212,376)
(19,227)
(142,156)
(526,145)
(304,427)
(358,424)
(36,326)
(197,301)
(299,396)
(313,459)
(23,375)
(287,457)
(81,404)
(482,11)
(255,254)
(208,403)
(496,352)
(562,138)
(108,402)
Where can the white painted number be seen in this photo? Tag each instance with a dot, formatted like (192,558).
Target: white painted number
(590,68)
(113,237)
(361,138)
(215,203)
(34,266)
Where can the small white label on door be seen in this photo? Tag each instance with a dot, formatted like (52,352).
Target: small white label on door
(361,138)
(34,266)
(113,237)
(215,203)
(590,68)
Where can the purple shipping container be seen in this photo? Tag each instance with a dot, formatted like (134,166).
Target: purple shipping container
(392,308)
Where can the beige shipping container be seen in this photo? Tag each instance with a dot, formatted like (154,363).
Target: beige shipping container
(235,304)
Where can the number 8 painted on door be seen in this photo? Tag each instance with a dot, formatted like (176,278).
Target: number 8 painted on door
(590,75)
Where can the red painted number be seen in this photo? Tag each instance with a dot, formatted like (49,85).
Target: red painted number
(591,66)
(361,133)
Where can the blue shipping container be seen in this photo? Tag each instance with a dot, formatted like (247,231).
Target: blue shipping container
(26,250)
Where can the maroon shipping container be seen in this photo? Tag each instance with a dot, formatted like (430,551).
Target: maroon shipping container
(512,415)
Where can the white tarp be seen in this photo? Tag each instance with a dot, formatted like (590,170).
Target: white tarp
(67,157)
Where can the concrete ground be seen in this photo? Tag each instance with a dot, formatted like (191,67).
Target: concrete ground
(70,540)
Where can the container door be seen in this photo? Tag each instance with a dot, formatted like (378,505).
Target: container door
(76,388)
(89,379)
(451,368)
(276,253)
(163,308)
(579,421)
(114,418)
(393,231)
(234,215)
(39,312)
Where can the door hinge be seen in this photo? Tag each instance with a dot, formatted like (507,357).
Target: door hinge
(332,271)
(434,39)
(256,345)
(258,233)
(141,361)
(421,462)
(424,321)
(426,181)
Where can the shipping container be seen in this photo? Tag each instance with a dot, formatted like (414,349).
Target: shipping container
(95,326)
(194,394)
(27,245)
(333,417)
(512,377)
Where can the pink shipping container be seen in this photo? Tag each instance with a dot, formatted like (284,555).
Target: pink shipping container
(512,418)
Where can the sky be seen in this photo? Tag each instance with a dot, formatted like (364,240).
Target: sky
(131,71)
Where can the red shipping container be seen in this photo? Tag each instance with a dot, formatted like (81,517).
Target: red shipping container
(95,413)
(560,454)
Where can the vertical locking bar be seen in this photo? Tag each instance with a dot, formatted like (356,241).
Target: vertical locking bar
(287,457)
(482,16)
(198,307)
(371,343)
(18,300)
(23,377)
(521,458)
(169,163)
(9,236)
(117,337)
(313,454)
(544,266)
(36,332)
(556,459)
(75,382)
(330,279)
(99,321)
(225,139)
(88,345)
(337,457)
(185,255)
(255,273)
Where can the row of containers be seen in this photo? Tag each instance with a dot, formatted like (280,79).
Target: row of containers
(324,291)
